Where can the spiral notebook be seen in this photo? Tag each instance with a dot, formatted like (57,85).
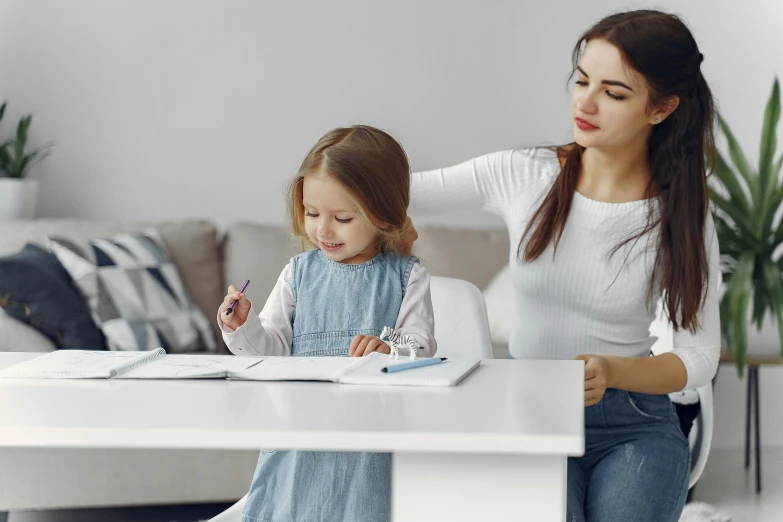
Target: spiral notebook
(154,364)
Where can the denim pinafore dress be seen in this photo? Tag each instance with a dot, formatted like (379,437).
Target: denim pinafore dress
(333,302)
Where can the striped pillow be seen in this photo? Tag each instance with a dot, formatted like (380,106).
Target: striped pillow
(134,293)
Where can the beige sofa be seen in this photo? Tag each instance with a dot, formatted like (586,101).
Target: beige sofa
(207,260)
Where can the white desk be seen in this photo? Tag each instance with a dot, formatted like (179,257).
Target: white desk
(493,448)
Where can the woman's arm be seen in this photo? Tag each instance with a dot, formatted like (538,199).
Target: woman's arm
(489,183)
(693,360)
(416,317)
(700,351)
(270,332)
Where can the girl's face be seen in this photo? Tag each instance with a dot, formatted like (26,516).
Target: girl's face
(610,102)
(332,222)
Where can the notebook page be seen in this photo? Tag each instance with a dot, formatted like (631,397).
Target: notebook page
(447,373)
(78,364)
(288,368)
(191,366)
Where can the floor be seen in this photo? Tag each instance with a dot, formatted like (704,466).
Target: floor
(728,486)
(190,513)
(725,484)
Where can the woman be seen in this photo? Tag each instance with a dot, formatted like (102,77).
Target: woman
(600,230)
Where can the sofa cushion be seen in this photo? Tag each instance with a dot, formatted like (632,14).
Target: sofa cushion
(192,244)
(258,253)
(499,296)
(473,255)
(135,293)
(16,336)
(36,290)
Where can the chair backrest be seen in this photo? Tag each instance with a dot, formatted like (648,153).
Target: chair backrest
(701,434)
(461,324)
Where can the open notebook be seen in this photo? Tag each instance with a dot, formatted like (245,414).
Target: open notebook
(156,364)
(350,370)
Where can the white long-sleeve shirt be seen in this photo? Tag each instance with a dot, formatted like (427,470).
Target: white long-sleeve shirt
(582,301)
(271,331)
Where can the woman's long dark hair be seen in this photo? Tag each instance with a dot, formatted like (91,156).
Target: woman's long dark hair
(661,48)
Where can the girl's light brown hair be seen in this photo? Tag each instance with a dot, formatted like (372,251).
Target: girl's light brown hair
(373,169)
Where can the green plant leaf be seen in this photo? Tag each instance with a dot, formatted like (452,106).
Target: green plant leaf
(21,166)
(5,158)
(15,160)
(777,237)
(772,275)
(28,160)
(740,161)
(738,298)
(728,178)
(740,218)
(777,167)
(760,298)
(731,241)
(749,234)
(20,142)
(774,200)
(769,139)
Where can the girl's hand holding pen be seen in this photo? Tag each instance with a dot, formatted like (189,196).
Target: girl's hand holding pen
(241,310)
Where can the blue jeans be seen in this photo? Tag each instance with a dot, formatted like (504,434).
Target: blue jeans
(636,465)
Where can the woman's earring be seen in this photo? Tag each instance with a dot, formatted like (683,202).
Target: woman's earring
(657,119)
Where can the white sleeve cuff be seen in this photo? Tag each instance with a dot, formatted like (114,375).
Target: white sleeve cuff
(701,363)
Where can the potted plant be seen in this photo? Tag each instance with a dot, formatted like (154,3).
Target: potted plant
(750,234)
(18,194)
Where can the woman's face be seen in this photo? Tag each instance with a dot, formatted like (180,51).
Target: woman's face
(610,101)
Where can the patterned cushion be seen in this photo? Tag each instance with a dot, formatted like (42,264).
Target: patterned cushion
(135,293)
(35,289)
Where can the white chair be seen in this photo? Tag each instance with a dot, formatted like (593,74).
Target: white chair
(461,324)
(232,514)
(700,438)
(461,328)
(701,434)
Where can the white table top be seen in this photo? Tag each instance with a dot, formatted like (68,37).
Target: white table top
(505,406)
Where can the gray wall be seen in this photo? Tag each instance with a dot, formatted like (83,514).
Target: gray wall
(173,108)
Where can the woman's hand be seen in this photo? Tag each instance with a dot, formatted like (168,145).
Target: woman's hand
(238,317)
(362,345)
(597,377)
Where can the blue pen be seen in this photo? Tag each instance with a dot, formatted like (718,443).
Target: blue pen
(413,364)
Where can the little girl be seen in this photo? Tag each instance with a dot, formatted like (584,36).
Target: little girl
(349,201)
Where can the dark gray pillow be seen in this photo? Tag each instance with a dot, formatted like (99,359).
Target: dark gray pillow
(36,289)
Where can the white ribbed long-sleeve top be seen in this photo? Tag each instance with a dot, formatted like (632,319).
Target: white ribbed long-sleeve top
(584,300)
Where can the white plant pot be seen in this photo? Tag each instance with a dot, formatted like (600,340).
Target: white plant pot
(18,198)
